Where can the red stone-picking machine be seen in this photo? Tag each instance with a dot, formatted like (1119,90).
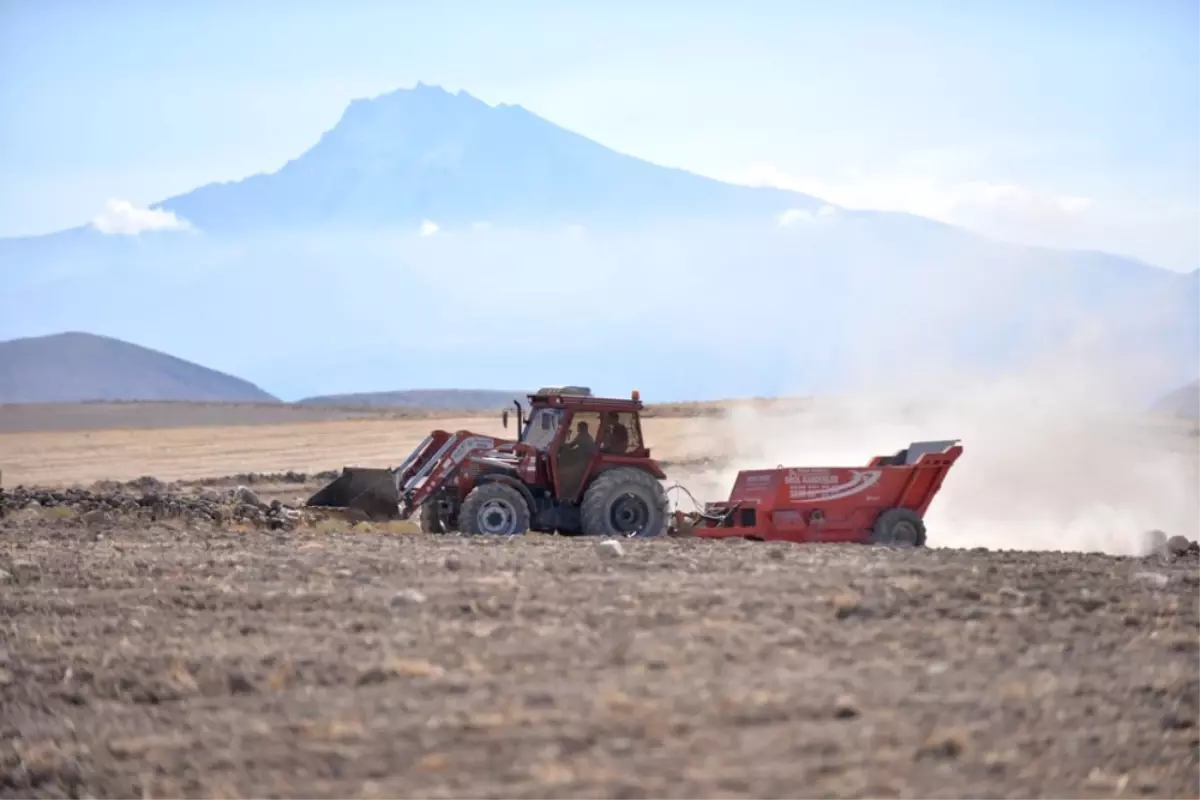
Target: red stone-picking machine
(580,465)
(883,503)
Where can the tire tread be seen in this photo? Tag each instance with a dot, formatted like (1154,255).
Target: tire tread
(468,516)
(594,508)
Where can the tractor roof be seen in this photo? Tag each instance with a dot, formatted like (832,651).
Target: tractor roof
(577,391)
(581,396)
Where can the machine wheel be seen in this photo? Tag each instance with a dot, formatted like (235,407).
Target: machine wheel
(431,520)
(625,502)
(494,509)
(899,527)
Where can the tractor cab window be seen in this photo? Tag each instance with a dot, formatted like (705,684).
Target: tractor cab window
(542,428)
(576,451)
(619,433)
(585,429)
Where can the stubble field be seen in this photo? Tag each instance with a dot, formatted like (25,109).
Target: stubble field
(80,444)
(152,651)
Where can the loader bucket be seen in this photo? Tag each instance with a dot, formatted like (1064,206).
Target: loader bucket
(370,490)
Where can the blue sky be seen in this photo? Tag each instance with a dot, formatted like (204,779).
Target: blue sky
(1067,123)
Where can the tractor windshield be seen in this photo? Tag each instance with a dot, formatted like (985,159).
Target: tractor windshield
(542,428)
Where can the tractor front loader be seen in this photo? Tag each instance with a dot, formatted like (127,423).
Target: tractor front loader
(578,466)
(388,493)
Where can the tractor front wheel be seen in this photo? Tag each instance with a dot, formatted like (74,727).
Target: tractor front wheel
(431,517)
(624,502)
(494,509)
(899,527)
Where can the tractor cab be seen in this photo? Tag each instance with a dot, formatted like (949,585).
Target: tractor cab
(576,432)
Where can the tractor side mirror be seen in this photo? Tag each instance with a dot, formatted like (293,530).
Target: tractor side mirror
(504,419)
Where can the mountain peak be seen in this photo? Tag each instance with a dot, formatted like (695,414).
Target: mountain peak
(423,152)
(422,105)
(420,92)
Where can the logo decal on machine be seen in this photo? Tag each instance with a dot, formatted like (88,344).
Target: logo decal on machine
(827,485)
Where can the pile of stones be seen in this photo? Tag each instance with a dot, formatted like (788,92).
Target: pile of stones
(152,502)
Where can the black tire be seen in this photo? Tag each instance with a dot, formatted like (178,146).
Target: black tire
(899,527)
(431,520)
(625,502)
(494,509)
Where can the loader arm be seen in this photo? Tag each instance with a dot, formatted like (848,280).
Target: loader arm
(419,458)
(439,468)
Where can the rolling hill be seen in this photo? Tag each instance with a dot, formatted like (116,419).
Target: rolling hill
(74,367)
(429,238)
(1183,403)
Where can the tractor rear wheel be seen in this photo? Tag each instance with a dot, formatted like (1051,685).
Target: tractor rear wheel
(624,502)
(899,527)
(494,509)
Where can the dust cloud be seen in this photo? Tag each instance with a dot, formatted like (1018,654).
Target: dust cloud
(1054,458)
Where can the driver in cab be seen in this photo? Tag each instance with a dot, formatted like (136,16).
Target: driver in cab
(615,437)
(582,443)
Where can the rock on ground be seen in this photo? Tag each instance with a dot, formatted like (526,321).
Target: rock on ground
(610,548)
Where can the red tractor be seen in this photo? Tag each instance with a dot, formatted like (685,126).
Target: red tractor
(579,465)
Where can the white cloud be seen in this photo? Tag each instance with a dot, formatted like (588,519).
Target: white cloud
(982,204)
(795,216)
(1163,234)
(1016,202)
(122,218)
(429,228)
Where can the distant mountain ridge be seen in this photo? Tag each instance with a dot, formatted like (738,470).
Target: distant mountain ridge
(449,399)
(74,367)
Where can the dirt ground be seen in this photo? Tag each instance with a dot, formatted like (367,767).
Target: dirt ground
(170,659)
(188,648)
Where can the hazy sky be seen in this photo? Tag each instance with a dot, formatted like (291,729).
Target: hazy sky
(1065,123)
